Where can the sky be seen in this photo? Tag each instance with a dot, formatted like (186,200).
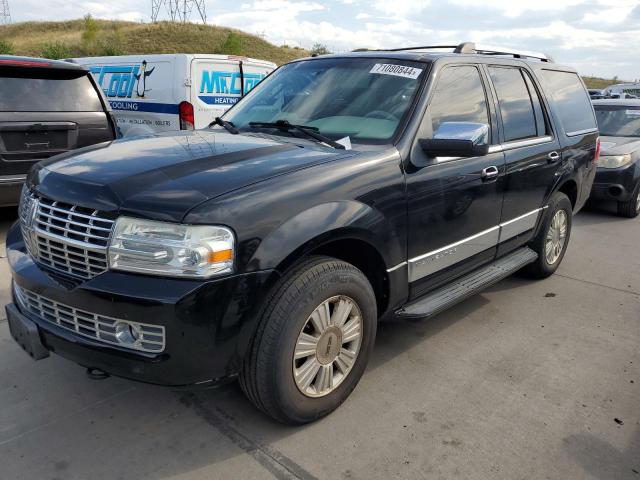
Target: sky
(598,37)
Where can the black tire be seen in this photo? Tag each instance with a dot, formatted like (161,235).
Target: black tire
(630,208)
(541,268)
(267,377)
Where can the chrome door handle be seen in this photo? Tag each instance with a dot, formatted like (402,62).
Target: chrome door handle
(553,157)
(489,173)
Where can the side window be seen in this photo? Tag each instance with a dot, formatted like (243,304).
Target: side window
(459,97)
(541,119)
(571,99)
(516,106)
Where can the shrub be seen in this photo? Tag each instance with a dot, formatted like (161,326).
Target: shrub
(6,48)
(319,49)
(90,31)
(232,45)
(55,51)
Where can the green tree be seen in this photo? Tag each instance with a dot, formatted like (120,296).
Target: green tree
(6,48)
(319,49)
(55,51)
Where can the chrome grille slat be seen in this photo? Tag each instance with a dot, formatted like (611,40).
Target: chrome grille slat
(67,238)
(87,324)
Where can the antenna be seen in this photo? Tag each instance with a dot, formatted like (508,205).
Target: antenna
(178,10)
(5,15)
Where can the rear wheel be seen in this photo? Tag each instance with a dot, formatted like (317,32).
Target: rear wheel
(553,237)
(631,208)
(313,341)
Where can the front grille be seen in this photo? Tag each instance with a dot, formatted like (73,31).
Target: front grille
(78,224)
(65,237)
(87,324)
(76,261)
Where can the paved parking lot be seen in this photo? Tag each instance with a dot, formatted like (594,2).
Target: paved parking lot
(524,381)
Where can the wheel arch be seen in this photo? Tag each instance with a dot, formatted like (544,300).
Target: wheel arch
(347,230)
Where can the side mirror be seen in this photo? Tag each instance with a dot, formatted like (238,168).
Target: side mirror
(458,139)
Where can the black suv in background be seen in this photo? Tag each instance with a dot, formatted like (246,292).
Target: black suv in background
(343,190)
(618,174)
(46,107)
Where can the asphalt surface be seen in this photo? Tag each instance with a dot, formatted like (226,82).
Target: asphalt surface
(529,380)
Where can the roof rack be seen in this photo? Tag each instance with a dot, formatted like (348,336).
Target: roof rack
(472,48)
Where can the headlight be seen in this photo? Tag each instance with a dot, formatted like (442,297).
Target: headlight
(614,161)
(171,249)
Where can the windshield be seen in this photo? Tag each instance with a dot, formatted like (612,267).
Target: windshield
(618,120)
(363,99)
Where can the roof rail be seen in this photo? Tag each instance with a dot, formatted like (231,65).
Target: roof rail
(472,48)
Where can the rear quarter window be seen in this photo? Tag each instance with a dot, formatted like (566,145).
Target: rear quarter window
(25,94)
(571,99)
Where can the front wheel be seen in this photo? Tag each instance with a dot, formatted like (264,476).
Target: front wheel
(553,237)
(313,341)
(631,208)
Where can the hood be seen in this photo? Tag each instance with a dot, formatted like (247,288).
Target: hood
(619,145)
(165,176)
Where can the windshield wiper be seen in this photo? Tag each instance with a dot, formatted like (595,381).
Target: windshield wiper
(311,132)
(228,126)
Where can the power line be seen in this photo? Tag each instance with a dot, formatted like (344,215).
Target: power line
(5,14)
(178,10)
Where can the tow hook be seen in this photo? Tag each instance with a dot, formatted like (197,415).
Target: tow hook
(96,374)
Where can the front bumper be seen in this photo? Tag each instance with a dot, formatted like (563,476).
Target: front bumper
(615,183)
(208,324)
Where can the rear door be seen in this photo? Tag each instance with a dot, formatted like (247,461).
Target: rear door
(532,152)
(44,112)
(218,84)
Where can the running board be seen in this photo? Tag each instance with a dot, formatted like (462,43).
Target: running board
(467,286)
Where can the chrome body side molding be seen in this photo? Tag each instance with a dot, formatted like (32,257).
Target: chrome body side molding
(444,257)
(431,262)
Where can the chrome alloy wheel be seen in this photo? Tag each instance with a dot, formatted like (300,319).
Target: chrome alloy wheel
(556,237)
(328,346)
(638,201)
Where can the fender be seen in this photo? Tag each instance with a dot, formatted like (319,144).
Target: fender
(327,222)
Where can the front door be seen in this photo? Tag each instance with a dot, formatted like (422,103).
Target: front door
(454,204)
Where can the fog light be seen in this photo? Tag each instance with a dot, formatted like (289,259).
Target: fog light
(127,334)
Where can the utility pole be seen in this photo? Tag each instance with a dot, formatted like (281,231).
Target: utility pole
(178,10)
(5,14)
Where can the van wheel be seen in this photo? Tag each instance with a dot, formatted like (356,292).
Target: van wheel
(315,334)
(553,237)
(631,208)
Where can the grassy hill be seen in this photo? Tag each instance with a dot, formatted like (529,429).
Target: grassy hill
(596,82)
(89,37)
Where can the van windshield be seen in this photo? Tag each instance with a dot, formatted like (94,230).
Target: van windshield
(618,120)
(365,99)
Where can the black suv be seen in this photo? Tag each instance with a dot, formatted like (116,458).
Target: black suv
(343,190)
(46,107)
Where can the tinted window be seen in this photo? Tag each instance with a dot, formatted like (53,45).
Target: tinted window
(618,120)
(572,101)
(21,94)
(516,108)
(459,97)
(365,99)
(541,119)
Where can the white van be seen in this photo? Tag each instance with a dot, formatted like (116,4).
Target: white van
(154,93)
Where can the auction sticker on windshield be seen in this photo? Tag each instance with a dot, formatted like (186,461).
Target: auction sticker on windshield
(396,70)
